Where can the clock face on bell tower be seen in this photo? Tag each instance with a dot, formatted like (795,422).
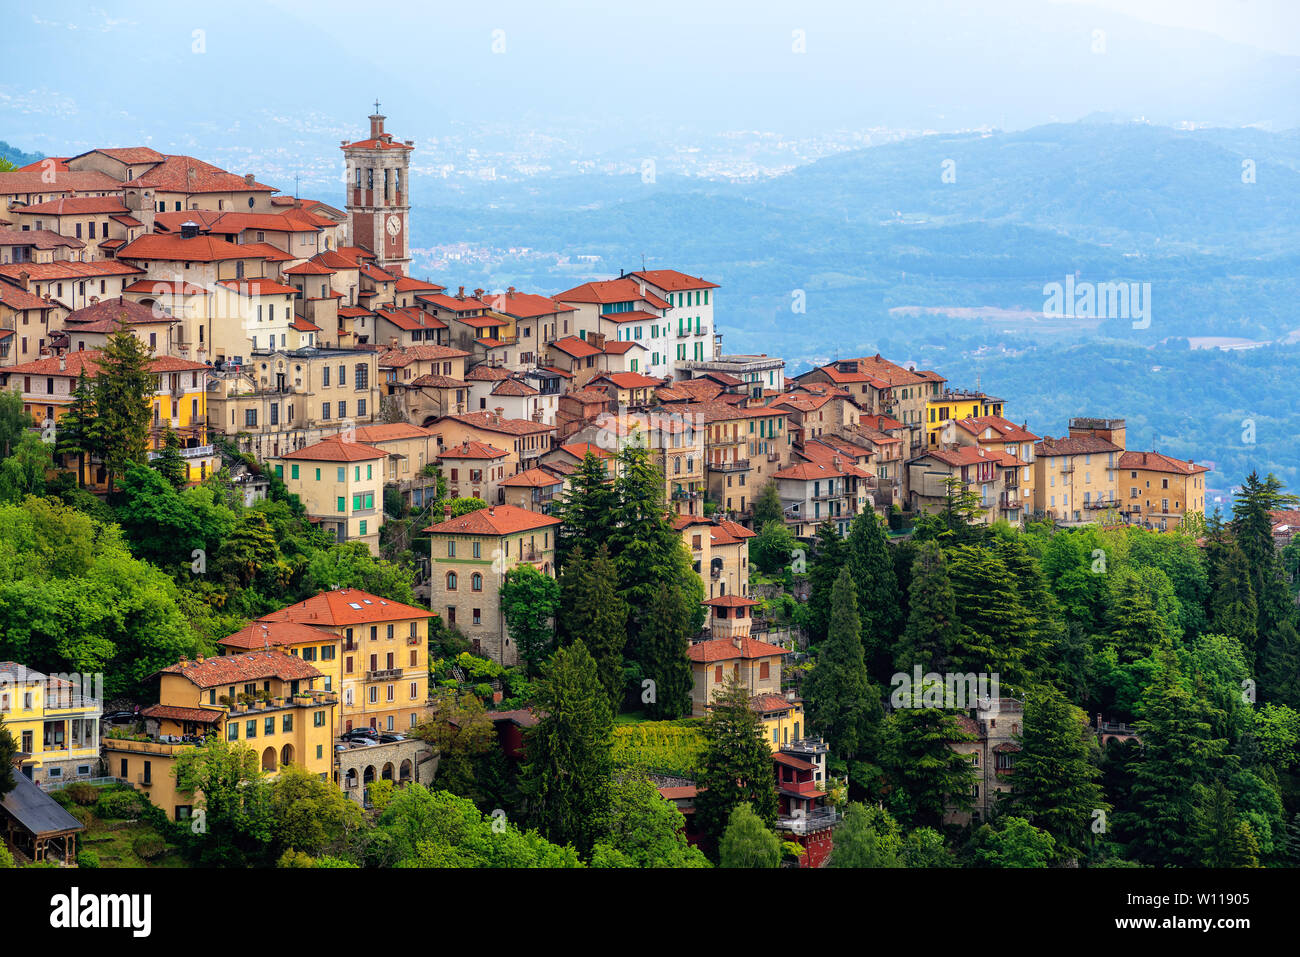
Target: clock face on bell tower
(378,202)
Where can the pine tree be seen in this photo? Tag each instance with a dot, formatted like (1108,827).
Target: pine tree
(595,613)
(568,773)
(78,431)
(828,557)
(1252,525)
(666,641)
(122,392)
(840,698)
(1233,610)
(170,463)
(1279,679)
(737,764)
(1223,838)
(1178,753)
(926,776)
(1056,785)
(932,627)
(586,511)
(998,634)
(872,567)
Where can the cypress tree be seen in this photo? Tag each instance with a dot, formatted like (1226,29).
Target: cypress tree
(1279,679)
(1252,525)
(872,566)
(122,393)
(737,763)
(1056,785)
(1178,753)
(567,777)
(840,698)
(170,464)
(932,628)
(828,556)
(78,432)
(666,641)
(767,507)
(997,633)
(586,511)
(1233,610)
(594,612)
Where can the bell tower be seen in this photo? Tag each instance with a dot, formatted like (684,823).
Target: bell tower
(378,195)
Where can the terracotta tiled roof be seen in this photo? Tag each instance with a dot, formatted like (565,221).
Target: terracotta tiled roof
(250,666)
(175,713)
(808,471)
(579,450)
(513,388)
(104,316)
(533,478)
(1074,445)
(523,305)
(75,206)
(88,360)
(1005,430)
(308,268)
(454,303)
(397,358)
(1156,462)
(487,373)
(489,423)
(335,450)
(38,238)
(185,174)
(409,318)
(573,346)
(410,284)
(670,280)
(636,315)
(611,290)
(268,634)
(472,450)
(724,649)
(346,606)
(69,181)
(627,380)
(203,249)
(495,520)
(770,702)
(42,272)
(730,601)
(131,155)
(257,287)
(389,431)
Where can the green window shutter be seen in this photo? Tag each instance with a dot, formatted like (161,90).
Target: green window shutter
(342,505)
(279,471)
(318,475)
(293,470)
(342,474)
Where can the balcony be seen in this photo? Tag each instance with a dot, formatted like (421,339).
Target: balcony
(193,452)
(736,465)
(817,820)
(384,674)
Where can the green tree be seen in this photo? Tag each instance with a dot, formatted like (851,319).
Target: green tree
(1279,678)
(586,511)
(747,842)
(8,751)
(1222,837)
(567,776)
(121,401)
(829,554)
(1233,610)
(645,829)
(234,794)
(23,473)
(79,431)
(462,735)
(767,507)
(311,815)
(529,600)
(1056,785)
(770,549)
(14,421)
(926,776)
(737,765)
(871,564)
(842,702)
(595,612)
(170,463)
(868,837)
(665,643)
(932,626)
(1252,525)
(1012,842)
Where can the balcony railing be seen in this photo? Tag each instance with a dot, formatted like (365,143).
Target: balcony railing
(737,465)
(812,821)
(383,674)
(193,452)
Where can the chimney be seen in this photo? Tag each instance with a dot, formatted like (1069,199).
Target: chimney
(460,292)
(446,512)
(510,290)
(478,293)
(492,509)
(248,179)
(189,229)
(23,278)
(63,363)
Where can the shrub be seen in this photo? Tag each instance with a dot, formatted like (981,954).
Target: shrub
(119,804)
(61,798)
(148,846)
(6,859)
(83,815)
(81,793)
(87,858)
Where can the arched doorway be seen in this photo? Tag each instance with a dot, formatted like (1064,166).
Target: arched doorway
(286,754)
(268,760)
(368,776)
(350,779)
(387,773)
(404,772)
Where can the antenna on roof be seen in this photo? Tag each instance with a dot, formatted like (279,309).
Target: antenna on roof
(295,185)
(643,262)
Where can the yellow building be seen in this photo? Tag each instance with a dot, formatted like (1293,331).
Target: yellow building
(731,653)
(341,484)
(265,700)
(178,403)
(1158,490)
(375,654)
(993,433)
(469,558)
(953,404)
(720,553)
(1075,476)
(55,722)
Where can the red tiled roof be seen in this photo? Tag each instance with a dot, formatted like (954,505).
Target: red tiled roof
(533,478)
(201,248)
(268,634)
(573,346)
(523,305)
(627,380)
(1074,445)
(76,206)
(1156,462)
(346,606)
(131,155)
(235,669)
(32,180)
(88,360)
(38,238)
(185,174)
(257,287)
(579,450)
(41,272)
(309,268)
(611,290)
(723,649)
(335,450)
(670,280)
(472,450)
(729,601)
(174,713)
(387,432)
(495,520)
(488,422)
(105,315)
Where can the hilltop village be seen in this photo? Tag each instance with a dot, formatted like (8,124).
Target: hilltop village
(417,536)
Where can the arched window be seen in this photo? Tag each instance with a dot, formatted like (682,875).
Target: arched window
(451,581)
(476,582)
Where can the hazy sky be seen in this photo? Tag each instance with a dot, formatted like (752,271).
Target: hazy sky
(1268,24)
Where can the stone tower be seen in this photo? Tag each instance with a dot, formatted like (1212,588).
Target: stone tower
(378,195)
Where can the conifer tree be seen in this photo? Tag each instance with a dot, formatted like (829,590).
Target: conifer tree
(767,507)
(1252,525)
(594,611)
(1279,678)
(1178,753)
(78,432)
(926,776)
(828,557)
(586,511)
(666,642)
(1233,610)
(839,695)
(170,463)
(997,634)
(1056,782)
(872,567)
(932,628)
(1223,837)
(121,401)
(568,772)
(737,763)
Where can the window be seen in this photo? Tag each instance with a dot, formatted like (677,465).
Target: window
(476,582)
(268,726)
(286,722)
(232,734)
(478,616)
(318,719)
(451,581)
(250,728)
